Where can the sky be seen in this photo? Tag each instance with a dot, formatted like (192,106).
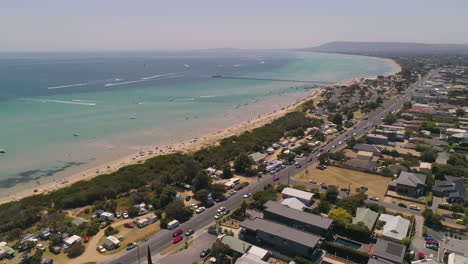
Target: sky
(141,25)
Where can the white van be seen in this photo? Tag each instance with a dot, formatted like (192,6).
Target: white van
(173,224)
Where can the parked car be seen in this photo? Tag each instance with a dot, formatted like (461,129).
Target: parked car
(101,249)
(431,246)
(324,186)
(131,246)
(40,247)
(217,216)
(402,205)
(205,252)
(188,197)
(177,233)
(190,232)
(298,165)
(373,198)
(247,195)
(129,225)
(345,189)
(428,238)
(414,207)
(459,221)
(232,192)
(104,224)
(275,178)
(200,210)
(177,239)
(86,239)
(125,215)
(313,181)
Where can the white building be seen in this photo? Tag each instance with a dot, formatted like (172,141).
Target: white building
(110,243)
(457,259)
(293,203)
(302,196)
(69,241)
(395,228)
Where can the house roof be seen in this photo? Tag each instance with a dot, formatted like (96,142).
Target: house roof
(111,240)
(297,193)
(297,215)
(250,259)
(367,147)
(389,250)
(395,227)
(366,216)
(365,153)
(257,156)
(455,186)
(411,179)
(235,244)
(278,230)
(442,157)
(79,221)
(72,239)
(360,163)
(257,251)
(395,168)
(293,203)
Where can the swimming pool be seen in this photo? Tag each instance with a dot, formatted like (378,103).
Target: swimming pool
(348,243)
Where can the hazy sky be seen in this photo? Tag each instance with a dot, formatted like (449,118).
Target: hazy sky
(87,25)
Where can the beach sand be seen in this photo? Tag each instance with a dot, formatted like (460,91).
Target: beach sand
(182,147)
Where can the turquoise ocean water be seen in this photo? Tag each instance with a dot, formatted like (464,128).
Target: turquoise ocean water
(117,103)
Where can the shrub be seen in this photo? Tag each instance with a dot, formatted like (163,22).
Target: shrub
(346,252)
(75,250)
(110,231)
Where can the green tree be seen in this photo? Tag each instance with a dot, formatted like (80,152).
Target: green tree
(202,195)
(168,195)
(110,231)
(460,112)
(201,181)
(15,234)
(324,206)
(406,241)
(390,119)
(242,163)
(331,195)
(75,250)
(340,216)
(429,155)
(350,204)
(177,210)
(227,173)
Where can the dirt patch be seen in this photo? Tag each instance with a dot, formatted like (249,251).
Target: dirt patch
(344,177)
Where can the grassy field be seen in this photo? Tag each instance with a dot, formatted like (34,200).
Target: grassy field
(343,177)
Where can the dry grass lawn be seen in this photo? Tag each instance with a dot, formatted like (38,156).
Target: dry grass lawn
(343,177)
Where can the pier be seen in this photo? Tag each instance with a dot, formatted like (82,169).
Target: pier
(267,79)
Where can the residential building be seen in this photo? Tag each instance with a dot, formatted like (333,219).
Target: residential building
(377,139)
(280,237)
(389,251)
(459,138)
(79,221)
(442,158)
(456,259)
(308,222)
(302,196)
(6,251)
(111,243)
(257,156)
(361,165)
(107,216)
(408,183)
(425,167)
(254,255)
(68,242)
(293,203)
(396,168)
(364,155)
(452,187)
(366,217)
(369,148)
(395,228)
(235,244)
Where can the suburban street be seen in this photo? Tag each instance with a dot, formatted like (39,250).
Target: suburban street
(163,239)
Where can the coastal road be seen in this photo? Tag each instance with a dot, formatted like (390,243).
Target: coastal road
(163,239)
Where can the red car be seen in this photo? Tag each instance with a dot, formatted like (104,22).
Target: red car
(177,232)
(275,178)
(86,239)
(177,239)
(129,225)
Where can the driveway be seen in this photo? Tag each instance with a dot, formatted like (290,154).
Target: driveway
(204,240)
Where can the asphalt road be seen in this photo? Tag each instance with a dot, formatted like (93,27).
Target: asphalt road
(163,239)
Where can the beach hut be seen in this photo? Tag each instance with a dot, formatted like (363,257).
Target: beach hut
(110,243)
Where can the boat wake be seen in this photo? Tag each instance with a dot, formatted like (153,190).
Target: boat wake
(60,101)
(67,86)
(144,79)
(207,96)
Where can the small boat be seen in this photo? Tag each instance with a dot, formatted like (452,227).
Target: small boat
(2,151)
(132,117)
(76,134)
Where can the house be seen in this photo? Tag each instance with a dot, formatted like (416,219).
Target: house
(282,238)
(395,228)
(377,139)
(361,165)
(45,233)
(107,216)
(111,243)
(46,261)
(451,131)
(257,156)
(254,255)
(302,196)
(453,188)
(293,203)
(408,183)
(425,167)
(311,223)
(235,243)
(459,138)
(365,216)
(442,158)
(456,259)
(396,169)
(152,219)
(388,251)
(79,221)
(364,155)
(68,242)
(6,251)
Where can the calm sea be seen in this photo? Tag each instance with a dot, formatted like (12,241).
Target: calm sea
(62,113)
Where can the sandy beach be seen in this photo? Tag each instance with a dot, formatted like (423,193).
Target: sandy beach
(184,147)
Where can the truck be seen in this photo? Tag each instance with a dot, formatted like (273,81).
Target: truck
(173,224)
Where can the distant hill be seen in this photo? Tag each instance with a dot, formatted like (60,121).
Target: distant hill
(372,48)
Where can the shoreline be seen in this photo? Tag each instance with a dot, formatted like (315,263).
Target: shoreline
(186,146)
